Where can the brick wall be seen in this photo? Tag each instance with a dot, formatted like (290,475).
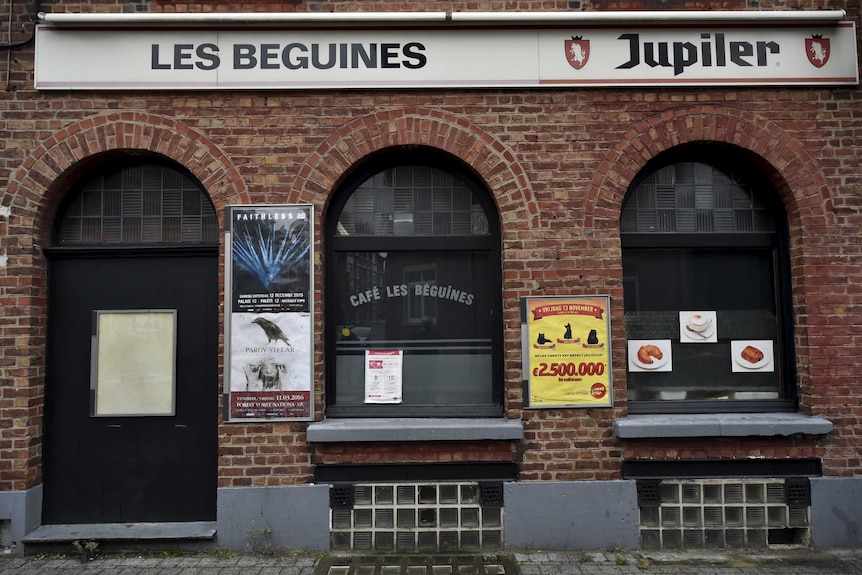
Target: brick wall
(558,163)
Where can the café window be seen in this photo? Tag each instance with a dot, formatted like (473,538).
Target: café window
(413,267)
(706,289)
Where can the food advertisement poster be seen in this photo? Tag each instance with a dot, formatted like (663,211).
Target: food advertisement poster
(567,350)
(269,357)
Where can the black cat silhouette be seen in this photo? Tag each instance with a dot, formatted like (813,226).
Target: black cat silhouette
(542,340)
(568,334)
(592,339)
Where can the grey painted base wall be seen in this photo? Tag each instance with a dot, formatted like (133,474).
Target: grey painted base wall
(538,515)
(571,515)
(20,513)
(289,517)
(836,511)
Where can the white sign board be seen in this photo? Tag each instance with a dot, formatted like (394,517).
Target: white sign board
(587,55)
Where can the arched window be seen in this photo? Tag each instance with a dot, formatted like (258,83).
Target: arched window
(707,293)
(413,267)
(137,203)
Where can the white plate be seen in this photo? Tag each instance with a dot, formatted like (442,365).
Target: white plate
(656,363)
(742,362)
(699,335)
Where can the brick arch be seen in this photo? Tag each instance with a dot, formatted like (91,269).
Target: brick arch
(41,181)
(32,197)
(797,177)
(492,160)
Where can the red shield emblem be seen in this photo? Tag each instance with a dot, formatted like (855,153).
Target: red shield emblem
(577,52)
(817,50)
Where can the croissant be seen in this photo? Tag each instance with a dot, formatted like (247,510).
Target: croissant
(751,354)
(647,352)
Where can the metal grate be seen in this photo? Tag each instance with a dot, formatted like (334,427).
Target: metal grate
(491,494)
(423,517)
(648,493)
(721,514)
(797,490)
(341,497)
(430,564)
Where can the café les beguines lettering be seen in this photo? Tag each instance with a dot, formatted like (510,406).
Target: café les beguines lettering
(231,55)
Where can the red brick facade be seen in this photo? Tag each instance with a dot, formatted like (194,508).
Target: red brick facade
(558,162)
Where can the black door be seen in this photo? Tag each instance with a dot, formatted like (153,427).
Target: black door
(131,469)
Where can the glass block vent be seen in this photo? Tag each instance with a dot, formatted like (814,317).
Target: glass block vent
(418,517)
(692,197)
(413,201)
(133,205)
(723,514)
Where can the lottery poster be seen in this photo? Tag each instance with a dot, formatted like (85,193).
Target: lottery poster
(566,352)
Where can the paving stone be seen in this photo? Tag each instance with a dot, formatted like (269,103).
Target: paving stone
(801,562)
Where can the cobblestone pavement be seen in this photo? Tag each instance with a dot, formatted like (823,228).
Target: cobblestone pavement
(790,562)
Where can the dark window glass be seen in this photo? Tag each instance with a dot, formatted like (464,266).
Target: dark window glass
(705,284)
(414,266)
(434,307)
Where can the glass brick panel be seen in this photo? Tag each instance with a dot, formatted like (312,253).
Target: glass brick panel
(91,203)
(406,494)
(663,202)
(139,205)
(716,514)
(383,494)
(384,518)
(438,204)
(112,203)
(409,517)
(427,494)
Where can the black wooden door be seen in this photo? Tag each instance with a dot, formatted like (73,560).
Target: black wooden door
(131,469)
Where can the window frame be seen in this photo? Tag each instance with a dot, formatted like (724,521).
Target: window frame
(489,244)
(777,242)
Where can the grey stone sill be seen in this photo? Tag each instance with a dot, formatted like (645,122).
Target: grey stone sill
(413,429)
(122,532)
(720,425)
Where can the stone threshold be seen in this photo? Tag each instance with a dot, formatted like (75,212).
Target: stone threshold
(193,530)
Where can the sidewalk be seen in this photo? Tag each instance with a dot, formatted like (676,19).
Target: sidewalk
(790,562)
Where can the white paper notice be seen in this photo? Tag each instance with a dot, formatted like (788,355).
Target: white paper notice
(383,376)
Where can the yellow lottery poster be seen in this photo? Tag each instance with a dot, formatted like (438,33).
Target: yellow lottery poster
(567,351)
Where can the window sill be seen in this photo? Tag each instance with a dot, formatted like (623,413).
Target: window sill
(720,425)
(414,429)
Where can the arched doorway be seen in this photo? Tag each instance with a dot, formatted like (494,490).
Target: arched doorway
(132,381)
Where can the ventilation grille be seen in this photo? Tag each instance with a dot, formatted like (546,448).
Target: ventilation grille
(720,514)
(417,517)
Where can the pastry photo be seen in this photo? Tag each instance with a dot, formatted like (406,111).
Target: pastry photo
(752,355)
(650,355)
